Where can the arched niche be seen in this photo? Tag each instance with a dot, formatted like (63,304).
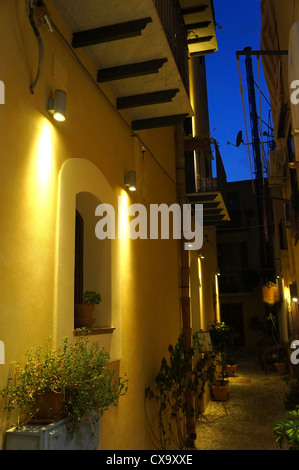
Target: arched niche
(81,186)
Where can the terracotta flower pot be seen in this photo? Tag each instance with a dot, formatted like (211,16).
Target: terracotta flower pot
(220,392)
(83,315)
(282,367)
(230,370)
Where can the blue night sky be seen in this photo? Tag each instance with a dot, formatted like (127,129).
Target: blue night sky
(240,26)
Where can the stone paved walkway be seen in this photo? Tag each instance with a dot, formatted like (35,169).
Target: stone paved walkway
(246,420)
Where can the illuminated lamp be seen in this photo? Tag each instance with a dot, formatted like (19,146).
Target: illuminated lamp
(130,180)
(57,106)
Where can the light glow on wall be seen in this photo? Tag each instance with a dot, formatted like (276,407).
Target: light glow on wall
(217,296)
(125,253)
(42,173)
(45,154)
(286,293)
(123,216)
(123,223)
(40,180)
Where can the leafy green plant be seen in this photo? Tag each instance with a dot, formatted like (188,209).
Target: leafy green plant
(91,297)
(291,397)
(233,356)
(287,430)
(77,370)
(223,338)
(174,379)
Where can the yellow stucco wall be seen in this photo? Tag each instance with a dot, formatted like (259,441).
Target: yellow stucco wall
(204,283)
(43,165)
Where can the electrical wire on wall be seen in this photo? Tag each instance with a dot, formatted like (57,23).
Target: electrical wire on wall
(31,12)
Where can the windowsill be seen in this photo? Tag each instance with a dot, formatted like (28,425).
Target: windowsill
(96,331)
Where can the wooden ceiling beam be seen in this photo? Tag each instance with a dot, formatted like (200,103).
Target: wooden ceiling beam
(162,121)
(130,70)
(146,99)
(109,33)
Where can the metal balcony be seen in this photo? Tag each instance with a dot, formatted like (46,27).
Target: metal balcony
(201,186)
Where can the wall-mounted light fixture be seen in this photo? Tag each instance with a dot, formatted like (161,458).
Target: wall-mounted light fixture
(130,180)
(57,106)
(293,165)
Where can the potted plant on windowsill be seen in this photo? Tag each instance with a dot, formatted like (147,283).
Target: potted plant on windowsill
(75,372)
(84,312)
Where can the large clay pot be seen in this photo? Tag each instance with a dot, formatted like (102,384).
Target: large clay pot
(49,406)
(230,370)
(83,315)
(220,392)
(282,367)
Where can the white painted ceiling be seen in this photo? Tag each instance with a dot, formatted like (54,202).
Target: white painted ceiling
(152,44)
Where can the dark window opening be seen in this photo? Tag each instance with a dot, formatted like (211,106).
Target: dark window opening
(79,239)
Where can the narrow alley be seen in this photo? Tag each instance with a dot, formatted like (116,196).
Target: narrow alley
(245,421)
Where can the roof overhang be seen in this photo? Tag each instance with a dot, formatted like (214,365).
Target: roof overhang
(199,19)
(127,43)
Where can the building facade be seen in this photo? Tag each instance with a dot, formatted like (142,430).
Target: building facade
(246,264)
(120,71)
(280,58)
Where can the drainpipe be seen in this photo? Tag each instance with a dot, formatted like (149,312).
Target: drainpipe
(184,283)
(199,102)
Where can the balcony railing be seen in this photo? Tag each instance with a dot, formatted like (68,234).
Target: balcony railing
(199,153)
(171,17)
(207,184)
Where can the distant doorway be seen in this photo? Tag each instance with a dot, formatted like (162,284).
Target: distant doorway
(232,315)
